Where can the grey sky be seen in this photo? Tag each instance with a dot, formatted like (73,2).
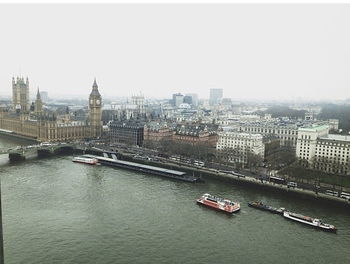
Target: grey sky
(251,51)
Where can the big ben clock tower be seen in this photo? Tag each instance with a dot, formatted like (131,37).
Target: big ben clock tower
(95,106)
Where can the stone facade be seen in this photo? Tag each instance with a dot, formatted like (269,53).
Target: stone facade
(157,131)
(20,94)
(196,134)
(319,150)
(242,145)
(127,132)
(47,127)
(95,106)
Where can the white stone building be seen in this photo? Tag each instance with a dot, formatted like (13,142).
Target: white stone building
(323,151)
(307,141)
(242,144)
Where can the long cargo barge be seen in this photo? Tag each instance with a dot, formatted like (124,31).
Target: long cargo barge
(173,174)
(264,207)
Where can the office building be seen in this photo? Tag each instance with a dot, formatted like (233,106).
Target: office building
(215,96)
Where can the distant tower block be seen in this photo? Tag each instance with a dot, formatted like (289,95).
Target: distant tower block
(20,94)
(95,106)
(215,96)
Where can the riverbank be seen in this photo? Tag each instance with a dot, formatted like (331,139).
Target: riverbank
(248,181)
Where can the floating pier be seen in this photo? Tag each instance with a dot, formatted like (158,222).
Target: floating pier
(174,174)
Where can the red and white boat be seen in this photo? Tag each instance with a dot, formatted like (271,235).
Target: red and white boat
(219,203)
(90,161)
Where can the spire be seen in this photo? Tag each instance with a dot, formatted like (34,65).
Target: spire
(95,84)
(38,95)
(95,91)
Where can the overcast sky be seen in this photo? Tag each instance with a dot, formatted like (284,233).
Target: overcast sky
(251,51)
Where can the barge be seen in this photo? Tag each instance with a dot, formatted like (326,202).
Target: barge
(173,174)
(264,207)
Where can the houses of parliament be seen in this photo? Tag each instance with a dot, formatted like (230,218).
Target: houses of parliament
(33,121)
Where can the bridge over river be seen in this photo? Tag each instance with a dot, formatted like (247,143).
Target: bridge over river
(42,150)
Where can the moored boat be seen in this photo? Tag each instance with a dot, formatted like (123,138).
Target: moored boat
(218,203)
(260,205)
(309,221)
(85,160)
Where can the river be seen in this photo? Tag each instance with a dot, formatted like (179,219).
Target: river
(57,211)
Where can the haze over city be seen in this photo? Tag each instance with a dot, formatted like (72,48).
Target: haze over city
(251,51)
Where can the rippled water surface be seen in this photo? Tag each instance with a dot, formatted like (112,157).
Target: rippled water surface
(57,211)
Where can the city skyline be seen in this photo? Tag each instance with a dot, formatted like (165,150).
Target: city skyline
(251,51)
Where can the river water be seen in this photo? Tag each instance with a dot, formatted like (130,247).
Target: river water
(57,211)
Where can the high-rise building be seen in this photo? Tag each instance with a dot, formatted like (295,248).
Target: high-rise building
(194,98)
(178,99)
(95,106)
(188,99)
(215,96)
(20,94)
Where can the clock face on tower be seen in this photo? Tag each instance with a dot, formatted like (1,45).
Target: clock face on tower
(98,102)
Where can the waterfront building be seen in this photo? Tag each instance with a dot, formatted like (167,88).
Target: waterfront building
(215,96)
(285,131)
(196,134)
(242,145)
(130,132)
(46,126)
(157,131)
(319,150)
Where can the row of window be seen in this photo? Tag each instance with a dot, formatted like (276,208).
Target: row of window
(271,131)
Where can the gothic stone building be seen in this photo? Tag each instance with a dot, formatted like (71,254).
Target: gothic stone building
(47,127)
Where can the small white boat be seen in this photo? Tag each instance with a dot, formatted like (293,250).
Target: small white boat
(90,161)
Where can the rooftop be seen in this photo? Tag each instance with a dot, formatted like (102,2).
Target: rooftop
(315,128)
(336,137)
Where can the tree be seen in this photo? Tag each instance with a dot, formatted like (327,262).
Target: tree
(253,160)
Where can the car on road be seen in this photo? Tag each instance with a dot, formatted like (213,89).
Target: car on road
(292,185)
(332,193)
(345,195)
